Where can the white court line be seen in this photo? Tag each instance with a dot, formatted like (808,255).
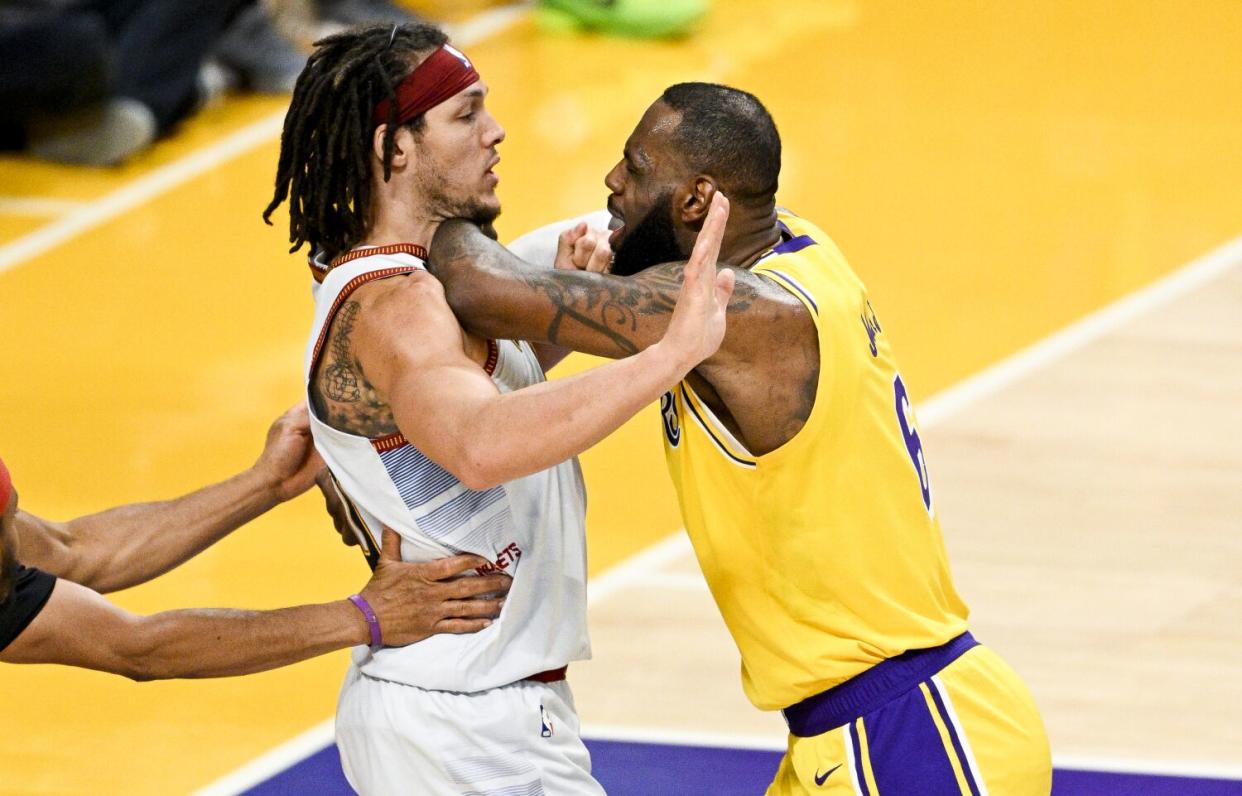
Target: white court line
(90,215)
(37,206)
(723,740)
(1167,768)
(674,581)
(636,569)
(486,23)
(991,380)
(142,190)
(263,768)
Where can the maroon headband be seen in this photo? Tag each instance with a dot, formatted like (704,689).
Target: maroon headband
(444,73)
(6,486)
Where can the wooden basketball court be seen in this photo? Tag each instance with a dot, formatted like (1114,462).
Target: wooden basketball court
(1042,200)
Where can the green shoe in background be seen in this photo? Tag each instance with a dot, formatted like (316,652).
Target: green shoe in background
(640,18)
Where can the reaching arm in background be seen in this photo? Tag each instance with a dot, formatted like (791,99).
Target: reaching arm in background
(78,627)
(128,545)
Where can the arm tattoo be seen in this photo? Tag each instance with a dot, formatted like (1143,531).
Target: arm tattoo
(601,314)
(612,306)
(340,382)
(610,309)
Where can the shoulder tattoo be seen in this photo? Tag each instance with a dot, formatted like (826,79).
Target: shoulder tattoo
(340,380)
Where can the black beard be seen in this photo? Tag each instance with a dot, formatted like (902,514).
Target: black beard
(651,242)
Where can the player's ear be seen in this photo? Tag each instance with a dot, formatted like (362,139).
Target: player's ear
(402,145)
(695,201)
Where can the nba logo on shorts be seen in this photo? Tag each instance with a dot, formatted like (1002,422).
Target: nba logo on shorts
(545,723)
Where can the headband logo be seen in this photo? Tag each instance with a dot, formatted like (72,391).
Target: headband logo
(459,55)
(444,73)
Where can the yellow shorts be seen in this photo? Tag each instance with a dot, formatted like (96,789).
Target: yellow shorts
(970,728)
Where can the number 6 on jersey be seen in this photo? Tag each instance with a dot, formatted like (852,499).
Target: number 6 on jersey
(914,445)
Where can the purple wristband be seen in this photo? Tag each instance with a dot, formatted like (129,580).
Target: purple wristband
(372,620)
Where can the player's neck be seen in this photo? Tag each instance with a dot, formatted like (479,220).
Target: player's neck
(748,236)
(401,223)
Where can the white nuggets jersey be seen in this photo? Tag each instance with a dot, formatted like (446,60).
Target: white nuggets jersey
(531,527)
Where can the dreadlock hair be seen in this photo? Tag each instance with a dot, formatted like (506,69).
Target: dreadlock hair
(325,147)
(726,132)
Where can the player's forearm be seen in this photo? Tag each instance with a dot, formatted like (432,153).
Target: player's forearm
(224,643)
(495,294)
(131,544)
(522,432)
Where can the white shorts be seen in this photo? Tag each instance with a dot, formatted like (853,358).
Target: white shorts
(517,740)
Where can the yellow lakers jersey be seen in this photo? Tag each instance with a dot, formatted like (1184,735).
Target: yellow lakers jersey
(825,556)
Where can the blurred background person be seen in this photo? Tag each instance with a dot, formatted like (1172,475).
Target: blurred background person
(95,81)
(266,45)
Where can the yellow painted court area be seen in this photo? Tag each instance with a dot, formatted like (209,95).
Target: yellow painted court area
(993,171)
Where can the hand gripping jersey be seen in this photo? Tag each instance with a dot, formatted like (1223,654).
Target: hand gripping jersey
(531,527)
(824,556)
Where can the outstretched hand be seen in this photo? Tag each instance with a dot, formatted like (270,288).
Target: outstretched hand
(698,324)
(417,600)
(289,460)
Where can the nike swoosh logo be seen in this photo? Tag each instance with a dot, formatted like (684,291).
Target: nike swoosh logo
(821,780)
